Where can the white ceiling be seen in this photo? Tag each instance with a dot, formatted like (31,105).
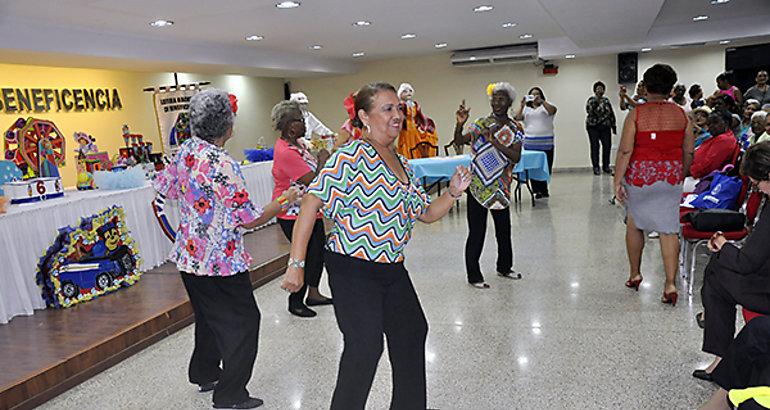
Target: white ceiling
(208,35)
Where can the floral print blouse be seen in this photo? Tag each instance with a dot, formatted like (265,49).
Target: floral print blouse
(213,203)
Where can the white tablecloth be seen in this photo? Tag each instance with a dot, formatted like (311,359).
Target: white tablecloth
(27,230)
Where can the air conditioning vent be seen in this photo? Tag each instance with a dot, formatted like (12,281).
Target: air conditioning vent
(687,45)
(517,53)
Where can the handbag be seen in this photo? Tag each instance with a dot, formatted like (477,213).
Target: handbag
(722,193)
(712,220)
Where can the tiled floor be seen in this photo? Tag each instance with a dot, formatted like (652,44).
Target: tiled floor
(568,335)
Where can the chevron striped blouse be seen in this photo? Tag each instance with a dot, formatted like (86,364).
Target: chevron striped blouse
(372,211)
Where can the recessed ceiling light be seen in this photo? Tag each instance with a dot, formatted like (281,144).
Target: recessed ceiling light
(509,24)
(724,42)
(702,17)
(162,23)
(525,36)
(719,1)
(472,58)
(440,45)
(359,54)
(569,56)
(287,4)
(408,36)
(646,49)
(483,8)
(316,47)
(254,38)
(362,23)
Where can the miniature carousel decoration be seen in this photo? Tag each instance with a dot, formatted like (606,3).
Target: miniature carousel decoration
(37,147)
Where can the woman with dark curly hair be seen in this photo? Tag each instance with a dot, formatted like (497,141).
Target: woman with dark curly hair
(600,120)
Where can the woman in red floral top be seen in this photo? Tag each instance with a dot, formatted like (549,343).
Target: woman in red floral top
(208,251)
(654,155)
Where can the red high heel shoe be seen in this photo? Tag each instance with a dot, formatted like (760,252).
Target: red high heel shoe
(670,298)
(633,284)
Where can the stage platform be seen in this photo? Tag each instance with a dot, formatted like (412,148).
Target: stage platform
(53,350)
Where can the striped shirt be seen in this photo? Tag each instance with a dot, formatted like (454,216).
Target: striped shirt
(371,210)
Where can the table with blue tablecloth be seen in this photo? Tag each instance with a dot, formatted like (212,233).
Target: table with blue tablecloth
(533,164)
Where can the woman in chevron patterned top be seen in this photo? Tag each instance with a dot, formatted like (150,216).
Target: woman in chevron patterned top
(495,150)
(373,198)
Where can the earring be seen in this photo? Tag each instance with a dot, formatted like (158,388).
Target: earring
(368,129)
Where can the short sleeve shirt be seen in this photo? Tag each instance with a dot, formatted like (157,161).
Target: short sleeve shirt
(213,203)
(372,212)
(290,163)
(492,171)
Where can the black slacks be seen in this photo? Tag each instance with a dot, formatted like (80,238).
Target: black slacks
(747,361)
(542,186)
(314,258)
(371,299)
(600,134)
(226,330)
(477,230)
(722,290)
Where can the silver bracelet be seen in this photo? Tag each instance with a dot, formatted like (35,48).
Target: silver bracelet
(295,263)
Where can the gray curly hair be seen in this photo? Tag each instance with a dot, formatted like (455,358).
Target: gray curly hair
(282,112)
(506,88)
(210,114)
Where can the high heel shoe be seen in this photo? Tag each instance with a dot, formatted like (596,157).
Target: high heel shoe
(633,284)
(670,298)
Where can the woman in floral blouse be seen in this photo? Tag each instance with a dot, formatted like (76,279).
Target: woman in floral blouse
(600,120)
(209,251)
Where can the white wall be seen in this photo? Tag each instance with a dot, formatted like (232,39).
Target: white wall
(439,88)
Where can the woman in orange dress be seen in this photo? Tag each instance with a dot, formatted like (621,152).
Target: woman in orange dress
(415,128)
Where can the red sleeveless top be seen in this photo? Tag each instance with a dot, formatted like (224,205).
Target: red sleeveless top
(657,156)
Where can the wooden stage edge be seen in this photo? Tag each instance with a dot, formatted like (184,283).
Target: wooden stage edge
(35,389)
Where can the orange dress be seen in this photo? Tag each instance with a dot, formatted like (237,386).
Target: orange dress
(415,128)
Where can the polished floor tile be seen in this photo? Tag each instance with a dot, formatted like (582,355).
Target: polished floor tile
(568,335)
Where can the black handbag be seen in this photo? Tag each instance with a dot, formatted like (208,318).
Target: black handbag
(712,220)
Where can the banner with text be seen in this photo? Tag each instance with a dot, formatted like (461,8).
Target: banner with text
(172,111)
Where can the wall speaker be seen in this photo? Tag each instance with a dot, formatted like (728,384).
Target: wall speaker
(627,67)
(287,90)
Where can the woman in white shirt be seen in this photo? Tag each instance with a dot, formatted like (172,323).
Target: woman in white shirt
(537,115)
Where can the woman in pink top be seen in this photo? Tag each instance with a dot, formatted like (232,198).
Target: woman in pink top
(724,86)
(294,164)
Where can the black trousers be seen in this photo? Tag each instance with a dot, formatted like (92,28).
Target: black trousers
(226,330)
(477,230)
(542,186)
(722,290)
(747,361)
(371,299)
(600,134)
(314,258)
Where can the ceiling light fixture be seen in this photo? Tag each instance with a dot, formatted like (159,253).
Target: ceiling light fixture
(362,23)
(569,56)
(254,38)
(408,36)
(646,49)
(162,23)
(702,17)
(509,24)
(359,54)
(719,1)
(724,42)
(287,4)
(440,45)
(483,8)
(525,36)
(316,47)
(472,58)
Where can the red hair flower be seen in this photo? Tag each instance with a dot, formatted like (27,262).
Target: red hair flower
(189,161)
(233,103)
